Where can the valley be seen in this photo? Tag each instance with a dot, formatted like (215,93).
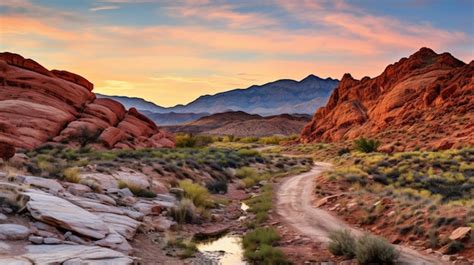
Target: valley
(383,173)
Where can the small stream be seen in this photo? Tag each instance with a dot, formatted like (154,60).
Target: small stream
(226,250)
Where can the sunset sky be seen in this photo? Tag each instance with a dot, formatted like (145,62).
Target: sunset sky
(172,51)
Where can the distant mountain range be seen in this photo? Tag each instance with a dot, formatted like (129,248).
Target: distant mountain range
(241,124)
(278,97)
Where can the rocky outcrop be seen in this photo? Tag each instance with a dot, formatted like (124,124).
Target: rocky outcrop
(39,106)
(426,100)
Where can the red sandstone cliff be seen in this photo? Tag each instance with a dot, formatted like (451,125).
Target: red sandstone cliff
(38,106)
(425,100)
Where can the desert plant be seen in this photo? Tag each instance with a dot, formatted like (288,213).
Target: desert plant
(196,193)
(184,212)
(342,243)
(366,145)
(71,174)
(217,186)
(86,135)
(375,250)
(137,190)
(259,247)
(454,247)
(187,247)
(343,151)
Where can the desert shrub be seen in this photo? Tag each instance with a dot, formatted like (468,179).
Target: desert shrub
(71,174)
(248,140)
(433,238)
(342,243)
(187,247)
(343,151)
(137,190)
(85,135)
(188,140)
(198,194)
(454,247)
(217,186)
(266,255)
(248,152)
(184,212)
(375,250)
(185,140)
(258,245)
(366,145)
(245,172)
(261,204)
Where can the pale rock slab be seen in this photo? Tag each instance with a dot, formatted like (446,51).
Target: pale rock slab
(65,214)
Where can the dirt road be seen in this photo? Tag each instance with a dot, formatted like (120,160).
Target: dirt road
(294,203)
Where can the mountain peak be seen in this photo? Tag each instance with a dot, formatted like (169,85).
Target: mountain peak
(311,77)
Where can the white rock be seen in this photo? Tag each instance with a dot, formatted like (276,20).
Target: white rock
(51,241)
(35,239)
(78,189)
(132,177)
(13,232)
(50,184)
(74,254)
(121,224)
(4,248)
(14,261)
(65,214)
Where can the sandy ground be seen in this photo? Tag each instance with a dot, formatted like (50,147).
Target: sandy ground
(295,206)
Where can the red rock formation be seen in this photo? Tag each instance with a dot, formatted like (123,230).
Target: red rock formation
(426,100)
(38,106)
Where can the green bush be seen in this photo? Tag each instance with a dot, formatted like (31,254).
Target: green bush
(248,152)
(188,140)
(217,186)
(366,145)
(259,247)
(375,250)
(245,172)
(196,193)
(454,247)
(342,243)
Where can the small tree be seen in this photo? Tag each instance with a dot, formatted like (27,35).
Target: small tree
(366,145)
(86,135)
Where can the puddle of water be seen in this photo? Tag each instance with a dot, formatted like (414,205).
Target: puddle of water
(230,245)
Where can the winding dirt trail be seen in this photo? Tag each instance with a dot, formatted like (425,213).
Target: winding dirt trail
(294,205)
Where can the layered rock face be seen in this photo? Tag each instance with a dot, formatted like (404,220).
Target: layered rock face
(38,106)
(426,101)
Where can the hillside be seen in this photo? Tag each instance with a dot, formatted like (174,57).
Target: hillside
(135,102)
(38,106)
(425,100)
(173,118)
(242,124)
(278,97)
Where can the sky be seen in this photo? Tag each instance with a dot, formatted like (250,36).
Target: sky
(173,51)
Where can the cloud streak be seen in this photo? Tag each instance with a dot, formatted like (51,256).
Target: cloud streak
(102,8)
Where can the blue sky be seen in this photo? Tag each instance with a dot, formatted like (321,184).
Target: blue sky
(172,51)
